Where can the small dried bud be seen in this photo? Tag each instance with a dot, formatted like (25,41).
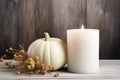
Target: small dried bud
(10,48)
(20,56)
(15,55)
(37,62)
(44,71)
(1,59)
(4,56)
(18,72)
(42,65)
(22,51)
(8,63)
(30,59)
(6,50)
(29,67)
(53,68)
(36,57)
(56,75)
(29,63)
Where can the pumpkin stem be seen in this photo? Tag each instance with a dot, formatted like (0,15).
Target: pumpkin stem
(47,36)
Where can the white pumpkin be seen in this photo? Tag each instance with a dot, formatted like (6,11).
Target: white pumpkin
(51,51)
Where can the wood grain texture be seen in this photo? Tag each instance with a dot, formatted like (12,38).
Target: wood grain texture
(26,21)
(43,17)
(34,20)
(105,15)
(8,24)
(23,21)
(67,14)
(109,70)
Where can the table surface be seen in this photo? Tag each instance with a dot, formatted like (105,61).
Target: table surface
(109,70)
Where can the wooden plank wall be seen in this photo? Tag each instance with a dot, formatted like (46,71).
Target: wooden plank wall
(105,15)
(23,21)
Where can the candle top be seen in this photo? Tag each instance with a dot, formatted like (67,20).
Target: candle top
(83,30)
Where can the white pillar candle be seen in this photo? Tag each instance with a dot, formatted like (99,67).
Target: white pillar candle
(83,50)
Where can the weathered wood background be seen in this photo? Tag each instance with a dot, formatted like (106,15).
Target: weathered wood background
(23,21)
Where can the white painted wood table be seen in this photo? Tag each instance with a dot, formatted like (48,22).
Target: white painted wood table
(109,70)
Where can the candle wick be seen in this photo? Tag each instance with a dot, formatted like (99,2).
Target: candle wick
(82,26)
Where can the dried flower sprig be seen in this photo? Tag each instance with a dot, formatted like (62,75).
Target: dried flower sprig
(26,64)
